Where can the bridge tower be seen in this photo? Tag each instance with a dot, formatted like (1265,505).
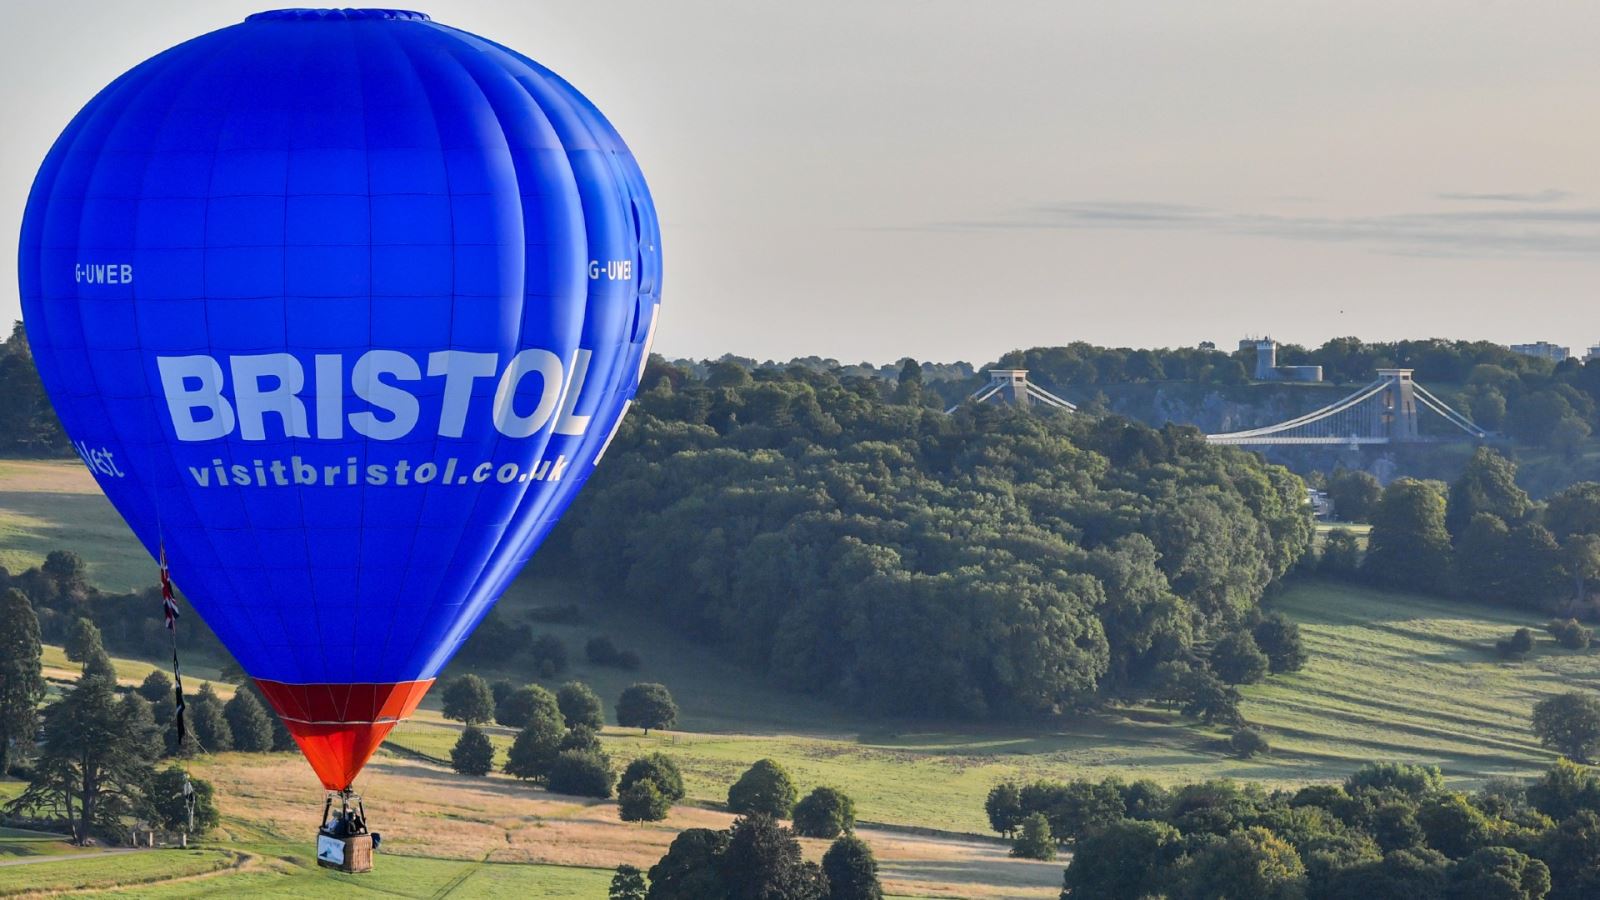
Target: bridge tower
(1012,386)
(1397,406)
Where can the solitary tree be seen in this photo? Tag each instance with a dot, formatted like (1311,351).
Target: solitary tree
(646,705)
(851,870)
(21,676)
(1568,724)
(1517,646)
(94,764)
(765,789)
(468,699)
(472,754)
(824,813)
(1247,743)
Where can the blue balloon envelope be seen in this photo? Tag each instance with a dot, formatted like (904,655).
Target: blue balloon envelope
(341,307)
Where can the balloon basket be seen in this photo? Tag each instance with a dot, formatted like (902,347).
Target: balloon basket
(343,841)
(351,854)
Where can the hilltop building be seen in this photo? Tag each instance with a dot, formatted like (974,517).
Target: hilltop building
(1267,368)
(1544,350)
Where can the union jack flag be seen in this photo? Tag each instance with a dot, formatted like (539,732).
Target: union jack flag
(169,603)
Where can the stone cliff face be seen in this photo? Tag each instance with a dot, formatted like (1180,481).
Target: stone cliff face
(1215,409)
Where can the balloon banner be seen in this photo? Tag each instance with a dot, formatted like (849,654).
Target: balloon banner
(343,307)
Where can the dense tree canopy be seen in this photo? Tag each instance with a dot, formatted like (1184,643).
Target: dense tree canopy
(1390,831)
(991,562)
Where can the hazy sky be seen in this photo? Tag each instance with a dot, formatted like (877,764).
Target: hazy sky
(950,179)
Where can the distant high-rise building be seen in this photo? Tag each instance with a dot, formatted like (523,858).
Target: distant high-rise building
(1544,350)
(1593,354)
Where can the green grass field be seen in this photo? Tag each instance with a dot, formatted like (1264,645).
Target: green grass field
(113,870)
(289,870)
(1391,676)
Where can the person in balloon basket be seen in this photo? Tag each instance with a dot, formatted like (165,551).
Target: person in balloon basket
(349,824)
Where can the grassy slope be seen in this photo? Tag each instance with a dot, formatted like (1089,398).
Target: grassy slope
(55,504)
(480,836)
(1392,677)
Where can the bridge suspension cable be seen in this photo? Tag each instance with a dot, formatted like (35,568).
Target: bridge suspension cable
(1382,412)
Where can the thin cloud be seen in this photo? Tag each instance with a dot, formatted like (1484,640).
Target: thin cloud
(1566,232)
(1549,195)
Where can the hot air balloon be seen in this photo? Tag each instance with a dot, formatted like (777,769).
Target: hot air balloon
(341,308)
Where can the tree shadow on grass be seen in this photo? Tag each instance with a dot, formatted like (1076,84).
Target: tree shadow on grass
(998,872)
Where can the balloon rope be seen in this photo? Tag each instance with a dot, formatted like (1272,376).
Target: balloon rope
(169,611)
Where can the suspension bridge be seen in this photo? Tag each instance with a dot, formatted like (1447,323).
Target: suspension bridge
(1387,411)
(1384,412)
